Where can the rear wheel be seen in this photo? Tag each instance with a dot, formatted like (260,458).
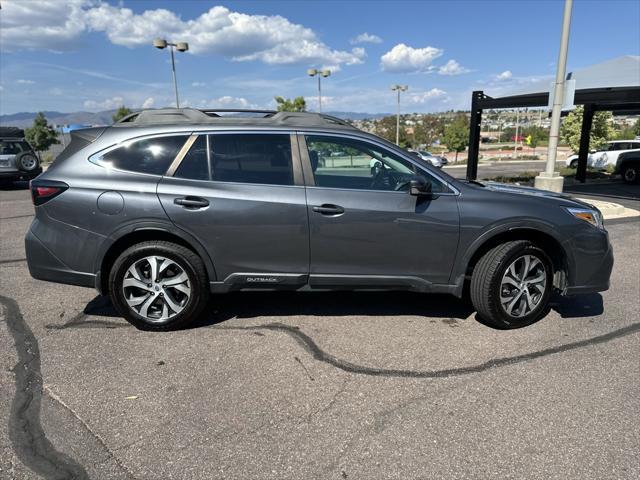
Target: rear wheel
(159,285)
(511,285)
(573,164)
(631,173)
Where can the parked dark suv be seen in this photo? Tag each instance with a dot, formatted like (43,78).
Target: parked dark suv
(168,206)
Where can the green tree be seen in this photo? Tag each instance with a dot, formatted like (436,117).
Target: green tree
(427,130)
(386,128)
(298,104)
(636,128)
(41,135)
(600,130)
(537,134)
(121,113)
(456,134)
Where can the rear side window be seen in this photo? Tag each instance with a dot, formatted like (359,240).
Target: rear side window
(13,148)
(195,164)
(149,155)
(251,158)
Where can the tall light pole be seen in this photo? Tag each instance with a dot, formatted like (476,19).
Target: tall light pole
(313,72)
(548,179)
(161,43)
(398,89)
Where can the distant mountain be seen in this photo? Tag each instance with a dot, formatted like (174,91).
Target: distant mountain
(25,119)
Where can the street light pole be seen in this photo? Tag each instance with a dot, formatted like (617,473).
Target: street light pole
(161,43)
(398,89)
(313,72)
(548,179)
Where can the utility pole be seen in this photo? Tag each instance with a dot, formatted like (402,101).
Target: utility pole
(398,89)
(515,140)
(550,179)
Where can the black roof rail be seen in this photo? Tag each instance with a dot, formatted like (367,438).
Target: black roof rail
(192,116)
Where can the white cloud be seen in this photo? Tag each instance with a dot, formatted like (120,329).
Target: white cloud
(271,39)
(22,81)
(506,75)
(403,58)
(198,84)
(366,38)
(226,101)
(452,68)
(106,104)
(56,91)
(148,103)
(428,95)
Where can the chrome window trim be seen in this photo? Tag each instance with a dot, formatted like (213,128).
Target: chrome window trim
(303,141)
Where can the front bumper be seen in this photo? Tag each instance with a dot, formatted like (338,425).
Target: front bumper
(594,269)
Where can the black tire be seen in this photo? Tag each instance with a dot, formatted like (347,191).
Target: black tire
(631,173)
(486,285)
(186,259)
(573,164)
(27,162)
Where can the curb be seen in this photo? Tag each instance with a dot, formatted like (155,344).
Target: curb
(611,210)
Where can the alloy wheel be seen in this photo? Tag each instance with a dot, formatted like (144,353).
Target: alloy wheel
(156,288)
(523,285)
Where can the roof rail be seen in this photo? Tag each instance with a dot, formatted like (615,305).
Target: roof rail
(172,116)
(214,111)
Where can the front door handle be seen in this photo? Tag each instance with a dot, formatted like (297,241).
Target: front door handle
(191,202)
(328,209)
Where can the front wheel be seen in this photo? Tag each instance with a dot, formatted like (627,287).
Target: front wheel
(511,285)
(573,164)
(158,285)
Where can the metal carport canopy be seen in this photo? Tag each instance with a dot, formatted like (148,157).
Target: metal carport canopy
(613,85)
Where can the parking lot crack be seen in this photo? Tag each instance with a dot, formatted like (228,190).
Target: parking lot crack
(28,438)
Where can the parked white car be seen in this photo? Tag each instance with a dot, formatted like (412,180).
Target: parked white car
(608,155)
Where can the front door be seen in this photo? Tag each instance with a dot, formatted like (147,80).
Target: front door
(366,228)
(239,195)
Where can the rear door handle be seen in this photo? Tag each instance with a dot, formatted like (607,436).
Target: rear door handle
(328,209)
(191,202)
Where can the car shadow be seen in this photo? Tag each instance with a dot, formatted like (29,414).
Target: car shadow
(248,305)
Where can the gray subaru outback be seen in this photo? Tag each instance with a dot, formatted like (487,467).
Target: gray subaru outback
(169,206)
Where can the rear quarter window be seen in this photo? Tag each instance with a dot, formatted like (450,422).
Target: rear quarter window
(148,155)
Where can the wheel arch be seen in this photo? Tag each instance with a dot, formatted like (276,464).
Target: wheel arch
(561,258)
(148,233)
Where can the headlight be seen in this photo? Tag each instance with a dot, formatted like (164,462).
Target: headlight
(594,217)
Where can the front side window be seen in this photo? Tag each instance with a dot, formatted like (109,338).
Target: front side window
(251,158)
(149,155)
(355,164)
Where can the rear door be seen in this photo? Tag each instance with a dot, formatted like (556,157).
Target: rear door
(242,195)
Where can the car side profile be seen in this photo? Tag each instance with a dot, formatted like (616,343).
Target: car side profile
(169,206)
(608,155)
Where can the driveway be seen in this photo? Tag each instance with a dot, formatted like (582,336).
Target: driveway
(316,386)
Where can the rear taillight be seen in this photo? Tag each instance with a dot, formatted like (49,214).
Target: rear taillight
(44,190)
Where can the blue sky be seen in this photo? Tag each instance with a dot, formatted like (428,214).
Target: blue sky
(71,55)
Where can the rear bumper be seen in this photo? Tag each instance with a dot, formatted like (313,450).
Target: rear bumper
(18,174)
(44,265)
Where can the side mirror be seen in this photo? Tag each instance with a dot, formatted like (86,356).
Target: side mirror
(419,186)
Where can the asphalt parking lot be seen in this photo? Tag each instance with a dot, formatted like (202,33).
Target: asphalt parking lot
(316,386)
